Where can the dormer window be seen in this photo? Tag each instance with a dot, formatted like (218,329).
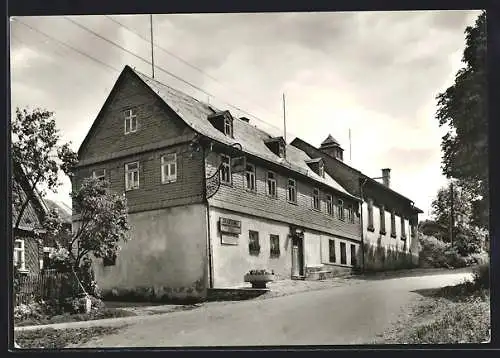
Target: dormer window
(223,121)
(277,146)
(317,166)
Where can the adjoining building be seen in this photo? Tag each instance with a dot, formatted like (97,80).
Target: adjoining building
(389,220)
(211,196)
(31,243)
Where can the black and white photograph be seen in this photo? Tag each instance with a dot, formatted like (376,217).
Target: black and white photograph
(278,179)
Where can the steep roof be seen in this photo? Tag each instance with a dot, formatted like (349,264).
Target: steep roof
(33,215)
(252,139)
(63,210)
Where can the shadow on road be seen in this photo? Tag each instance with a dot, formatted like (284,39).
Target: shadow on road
(459,293)
(408,273)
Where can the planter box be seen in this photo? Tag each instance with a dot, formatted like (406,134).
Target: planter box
(259,281)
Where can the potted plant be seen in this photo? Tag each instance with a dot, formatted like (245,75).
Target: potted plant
(259,278)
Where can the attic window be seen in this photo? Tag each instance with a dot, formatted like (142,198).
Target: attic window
(130,121)
(317,166)
(276,145)
(222,121)
(228,127)
(321,169)
(281,151)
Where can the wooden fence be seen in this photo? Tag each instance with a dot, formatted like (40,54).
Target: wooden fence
(49,284)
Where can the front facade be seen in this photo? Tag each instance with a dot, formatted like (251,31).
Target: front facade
(210,196)
(388,219)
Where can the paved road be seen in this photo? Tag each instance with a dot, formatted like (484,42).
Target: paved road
(352,314)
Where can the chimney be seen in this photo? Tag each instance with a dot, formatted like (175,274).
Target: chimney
(386,177)
(245,119)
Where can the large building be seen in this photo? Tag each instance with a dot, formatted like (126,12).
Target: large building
(389,220)
(211,196)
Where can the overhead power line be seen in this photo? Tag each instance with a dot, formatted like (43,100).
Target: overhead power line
(181,59)
(102,63)
(68,46)
(168,72)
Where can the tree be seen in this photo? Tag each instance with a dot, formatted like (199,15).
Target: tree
(103,214)
(462,109)
(462,208)
(35,148)
(467,237)
(102,226)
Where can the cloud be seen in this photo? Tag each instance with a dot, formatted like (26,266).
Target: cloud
(376,73)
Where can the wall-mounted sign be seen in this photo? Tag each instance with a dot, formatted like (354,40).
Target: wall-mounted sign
(229,226)
(229,239)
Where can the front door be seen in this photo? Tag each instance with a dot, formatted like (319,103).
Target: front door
(297,257)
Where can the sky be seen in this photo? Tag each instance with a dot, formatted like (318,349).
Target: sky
(374,73)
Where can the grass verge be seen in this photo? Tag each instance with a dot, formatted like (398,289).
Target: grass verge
(452,314)
(59,338)
(63,318)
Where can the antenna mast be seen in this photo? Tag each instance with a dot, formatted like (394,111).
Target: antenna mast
(284,118)
(284,123)
(152,47)
(350,147)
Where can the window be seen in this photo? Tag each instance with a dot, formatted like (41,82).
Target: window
(281,151)
(331,247)
(292,191)
(315,198)
(228,127)
(321,169)
(132,176)
(274,245)
(343,254)
(271,184)
(329,205)
(413,230)
(99,174)
(353,255)
(403,229)
(109,260)
(169,168)
(130,121)
(250,177)
(350,214)
(340,209)
(393,224)
(225,171)
(370,215)
(46,262)
(253,243)
(19,261)
(382,220)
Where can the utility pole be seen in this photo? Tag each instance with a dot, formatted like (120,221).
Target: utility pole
(152,46)
(452,212)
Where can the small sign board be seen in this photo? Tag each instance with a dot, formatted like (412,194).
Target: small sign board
(229,226)
(229,239)
(238,164)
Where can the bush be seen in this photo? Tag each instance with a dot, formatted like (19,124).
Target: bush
(32,311)
(436,253)
(482,276)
